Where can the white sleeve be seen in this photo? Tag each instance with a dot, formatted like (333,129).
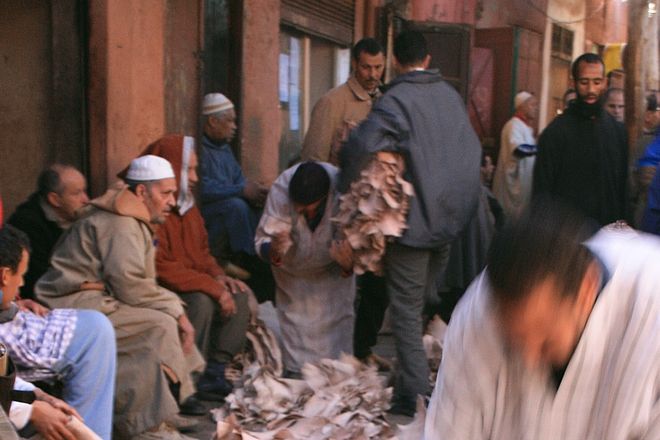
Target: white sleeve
(19,414)
(462,404)
(22,385)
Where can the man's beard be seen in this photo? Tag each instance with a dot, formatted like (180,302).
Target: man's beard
(589,110)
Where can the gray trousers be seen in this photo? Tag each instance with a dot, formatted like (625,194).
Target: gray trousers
(411,275)
(219,338)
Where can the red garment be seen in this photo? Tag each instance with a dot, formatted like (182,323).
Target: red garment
(183,260)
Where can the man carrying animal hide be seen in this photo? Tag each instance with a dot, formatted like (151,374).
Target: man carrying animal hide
(314,293)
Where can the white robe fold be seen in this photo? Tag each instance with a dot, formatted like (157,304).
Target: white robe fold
(611,388)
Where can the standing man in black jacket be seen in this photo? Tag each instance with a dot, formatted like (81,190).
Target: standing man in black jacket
(422,118)
(583,153)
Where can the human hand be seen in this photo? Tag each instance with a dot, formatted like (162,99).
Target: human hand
(50,422)
(227,304)
(279,245)
(56,403)
(232,284)
(342,253)
(186,334)
(27,305)
(255,192)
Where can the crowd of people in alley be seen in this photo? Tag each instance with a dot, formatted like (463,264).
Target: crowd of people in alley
(122,312)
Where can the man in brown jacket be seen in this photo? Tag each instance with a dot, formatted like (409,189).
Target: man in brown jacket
(343,107)
(334,115)
(106,262)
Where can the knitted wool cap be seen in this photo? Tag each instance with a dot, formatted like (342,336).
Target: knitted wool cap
(214,103)
(150,167)
(520,98)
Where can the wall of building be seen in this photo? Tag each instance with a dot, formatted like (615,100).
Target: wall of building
(25,104)
(183,40)
(42,92)
(259,124)
(569,14)
(443,11)
(608,23)
(127,83)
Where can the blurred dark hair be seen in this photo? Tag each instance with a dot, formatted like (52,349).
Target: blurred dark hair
(368,45)
(651,103)
(310,183)
(590,58)
(12,243)
(410,48)
(545,242)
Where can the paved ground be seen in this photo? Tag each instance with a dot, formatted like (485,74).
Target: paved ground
(385,348)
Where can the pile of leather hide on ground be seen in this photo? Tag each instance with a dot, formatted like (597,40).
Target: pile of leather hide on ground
(336,399)
(433,342)
(374,209)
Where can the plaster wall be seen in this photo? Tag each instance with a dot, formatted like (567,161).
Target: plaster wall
(571,15)
(182,66)
(259,116)
(25,103)
(444,11)
(608,23)
(126,99)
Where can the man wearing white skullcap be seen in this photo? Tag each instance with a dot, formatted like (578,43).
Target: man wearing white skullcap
(106,263)
(512,184)
(230,202)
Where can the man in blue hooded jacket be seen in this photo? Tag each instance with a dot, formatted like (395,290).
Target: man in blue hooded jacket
(422,118)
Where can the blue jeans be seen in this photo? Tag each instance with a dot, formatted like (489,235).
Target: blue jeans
(88,371)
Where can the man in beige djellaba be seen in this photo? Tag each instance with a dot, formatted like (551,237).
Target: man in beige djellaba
(106,262)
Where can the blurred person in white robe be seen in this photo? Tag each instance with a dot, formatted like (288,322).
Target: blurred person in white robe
(556,339)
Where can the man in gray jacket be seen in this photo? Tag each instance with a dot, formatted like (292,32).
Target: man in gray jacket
(422,118)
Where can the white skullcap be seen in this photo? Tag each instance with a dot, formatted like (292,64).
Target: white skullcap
(215,102)
(520,98)
(149,167)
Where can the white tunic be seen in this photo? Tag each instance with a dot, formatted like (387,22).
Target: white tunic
(314,300)
(611,388)
(512,184)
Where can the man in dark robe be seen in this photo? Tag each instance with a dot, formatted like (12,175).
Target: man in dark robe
(583,154)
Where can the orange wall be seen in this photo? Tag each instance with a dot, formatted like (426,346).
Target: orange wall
(126,95)
(609,24)
(259,117)
(444,11)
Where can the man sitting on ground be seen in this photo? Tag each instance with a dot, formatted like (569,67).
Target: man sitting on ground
(106,262)
(230,202)
(76,346)
(216,304)
(61,192)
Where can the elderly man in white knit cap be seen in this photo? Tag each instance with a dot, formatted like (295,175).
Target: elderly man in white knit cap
(230,203)
(512,184)
(106,262)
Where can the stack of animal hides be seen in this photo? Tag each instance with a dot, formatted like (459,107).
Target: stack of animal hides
(374,210)
(335,399)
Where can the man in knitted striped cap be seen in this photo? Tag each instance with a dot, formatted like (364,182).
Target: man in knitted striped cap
(216,303)
(230,202)
(106,263)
